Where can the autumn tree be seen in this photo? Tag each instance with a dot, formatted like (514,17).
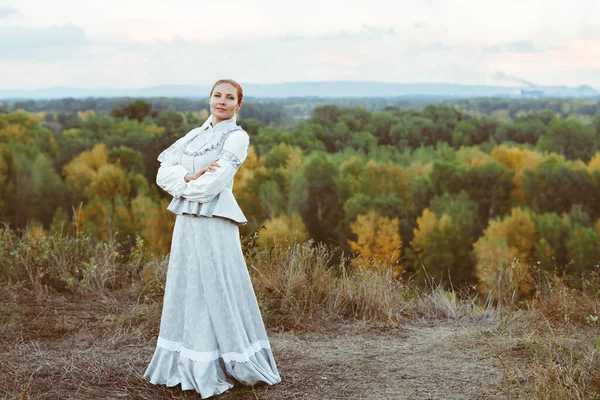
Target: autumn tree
(518,160)
(503,254)
(153,222)
(377,237)
(594,164)
(441,245)
(283,231)
(105,191)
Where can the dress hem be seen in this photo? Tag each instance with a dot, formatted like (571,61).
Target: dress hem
(208,356)
(169,368)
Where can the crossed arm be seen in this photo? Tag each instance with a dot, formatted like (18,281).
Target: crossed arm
(211,168)
(206,184)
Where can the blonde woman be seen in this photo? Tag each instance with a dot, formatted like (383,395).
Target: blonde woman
(211,330)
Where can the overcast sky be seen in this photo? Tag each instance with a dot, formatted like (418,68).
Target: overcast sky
(140,43)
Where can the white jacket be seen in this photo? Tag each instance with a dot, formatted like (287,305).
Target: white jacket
(211,194)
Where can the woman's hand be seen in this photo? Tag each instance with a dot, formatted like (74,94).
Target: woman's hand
(211,168)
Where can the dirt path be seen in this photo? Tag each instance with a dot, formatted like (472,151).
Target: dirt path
(437,361)
(98,350)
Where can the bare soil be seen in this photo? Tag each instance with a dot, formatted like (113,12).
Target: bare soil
(93,347)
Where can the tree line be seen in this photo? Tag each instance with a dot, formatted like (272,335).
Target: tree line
(282,111)
(437,192)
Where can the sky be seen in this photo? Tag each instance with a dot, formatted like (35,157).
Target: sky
(142,43)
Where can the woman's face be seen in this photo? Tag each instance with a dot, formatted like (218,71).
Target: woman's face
(223,102)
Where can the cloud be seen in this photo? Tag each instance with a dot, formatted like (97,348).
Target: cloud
(502,76)
(525,46)
(330,58)
(34,43)
(368,32)
(179,41)
(67,56)
(374,32)
(591,32)
(437,46)
(7,12)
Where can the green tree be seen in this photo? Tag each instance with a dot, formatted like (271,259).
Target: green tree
(463,134)
(380,126)
(489,185)
(138,110)
(583,247)
(550,251)
(443,238)
(322,211)
(555,187)
(569,138)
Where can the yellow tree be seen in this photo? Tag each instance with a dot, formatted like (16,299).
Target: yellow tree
(594,164)
(384,179)
(503,254)
(278,155)
(153,222)
(105,190)
(16,133)
(518,160)
(350,171)
(426,224)
(508,157)
(442,241)
(418,170)
(530,162)
(295,162)
(283,231)
(109,181)
(377,238)
(244,191)
(471,156)
(252,165)
(82,170)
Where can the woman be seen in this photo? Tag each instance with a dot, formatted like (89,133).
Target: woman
(211,331)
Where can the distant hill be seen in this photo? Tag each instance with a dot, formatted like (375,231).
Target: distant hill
(317,89)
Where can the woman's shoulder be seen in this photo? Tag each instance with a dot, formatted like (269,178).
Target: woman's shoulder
(237,134)
(238,130)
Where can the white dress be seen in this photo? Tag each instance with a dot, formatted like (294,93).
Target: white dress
(211,330)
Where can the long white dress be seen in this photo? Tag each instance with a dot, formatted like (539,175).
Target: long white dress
(211,330)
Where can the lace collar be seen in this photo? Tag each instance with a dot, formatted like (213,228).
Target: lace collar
(207,137)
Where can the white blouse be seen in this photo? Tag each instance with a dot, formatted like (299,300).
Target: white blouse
(211,194)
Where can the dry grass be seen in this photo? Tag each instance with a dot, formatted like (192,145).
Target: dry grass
(296,285)
(563,352)
(42,262)
(79,320)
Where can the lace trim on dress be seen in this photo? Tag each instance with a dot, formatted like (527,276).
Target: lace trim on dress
(207,356)
(211,144)
(229,156)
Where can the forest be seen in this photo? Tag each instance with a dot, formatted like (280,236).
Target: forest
(283,111)
(454,192)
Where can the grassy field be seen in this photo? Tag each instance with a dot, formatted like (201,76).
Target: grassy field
(80,322)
